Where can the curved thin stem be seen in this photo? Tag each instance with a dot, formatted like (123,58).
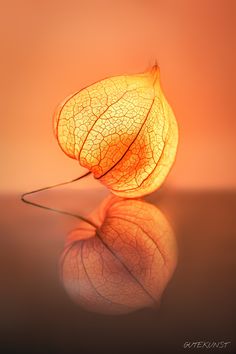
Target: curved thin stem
(53,209)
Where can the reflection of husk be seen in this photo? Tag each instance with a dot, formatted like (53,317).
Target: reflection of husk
(124,264)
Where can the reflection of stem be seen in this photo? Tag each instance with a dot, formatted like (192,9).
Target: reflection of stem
(57,210)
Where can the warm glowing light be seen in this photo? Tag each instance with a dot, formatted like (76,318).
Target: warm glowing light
(123,130)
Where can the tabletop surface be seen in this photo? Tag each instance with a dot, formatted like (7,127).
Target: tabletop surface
(37,316)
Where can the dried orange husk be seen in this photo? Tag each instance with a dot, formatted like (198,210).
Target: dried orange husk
(123,130)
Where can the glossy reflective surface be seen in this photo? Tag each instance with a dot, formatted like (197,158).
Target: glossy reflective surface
(198,303)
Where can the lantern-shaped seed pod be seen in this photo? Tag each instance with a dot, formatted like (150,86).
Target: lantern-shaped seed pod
(123,130)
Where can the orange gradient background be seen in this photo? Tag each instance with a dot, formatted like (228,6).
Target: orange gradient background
(50,49)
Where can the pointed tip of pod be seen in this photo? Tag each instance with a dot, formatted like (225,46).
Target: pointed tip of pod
(155,72)
(155,67)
